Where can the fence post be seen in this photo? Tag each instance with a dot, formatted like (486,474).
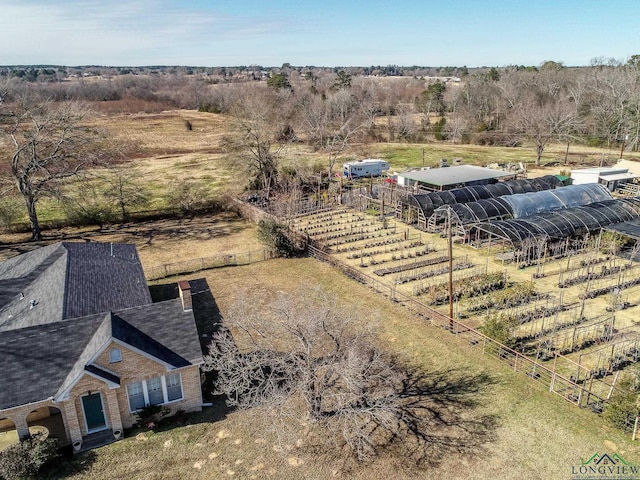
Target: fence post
(553,374)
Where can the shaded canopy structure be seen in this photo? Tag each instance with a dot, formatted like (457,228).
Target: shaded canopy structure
(453,177)
(516,206)
(426,203)
(562,224)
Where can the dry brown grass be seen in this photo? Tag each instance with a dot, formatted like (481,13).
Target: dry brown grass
(538,435)
(159,242)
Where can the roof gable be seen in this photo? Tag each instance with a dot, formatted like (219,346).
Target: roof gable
(35,361)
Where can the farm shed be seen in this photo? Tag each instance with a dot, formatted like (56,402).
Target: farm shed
(516,206)
(559,225)
(611,177)
(452,177)
(422,205)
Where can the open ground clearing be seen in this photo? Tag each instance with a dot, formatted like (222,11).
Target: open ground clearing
(159,242)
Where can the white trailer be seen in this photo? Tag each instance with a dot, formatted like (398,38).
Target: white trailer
(371,167)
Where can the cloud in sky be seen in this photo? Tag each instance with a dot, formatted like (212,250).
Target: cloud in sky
(121,32)
(327,32)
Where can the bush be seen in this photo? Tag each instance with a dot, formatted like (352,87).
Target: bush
(439,129)
(26,459)
(624,404)
(273,235)
(11,210)
(191,197)
(500,328)
(148,417)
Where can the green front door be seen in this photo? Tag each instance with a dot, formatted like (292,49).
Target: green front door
(93,414)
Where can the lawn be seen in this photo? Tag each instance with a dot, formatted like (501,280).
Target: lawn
(537,434)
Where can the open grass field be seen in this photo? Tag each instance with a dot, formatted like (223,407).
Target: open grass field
(537,434)
(158,242)
(163,153)
(402,156)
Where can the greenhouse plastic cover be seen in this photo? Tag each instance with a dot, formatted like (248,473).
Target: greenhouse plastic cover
(566,223)
(428,202)
(527,204)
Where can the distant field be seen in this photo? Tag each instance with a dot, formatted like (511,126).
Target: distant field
(166,154)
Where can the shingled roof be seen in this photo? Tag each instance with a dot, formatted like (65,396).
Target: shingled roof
(42,359)
(70,280)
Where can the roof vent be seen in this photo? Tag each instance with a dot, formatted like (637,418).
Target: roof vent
(32,304)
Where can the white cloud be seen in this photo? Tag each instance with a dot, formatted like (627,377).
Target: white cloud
(120,32)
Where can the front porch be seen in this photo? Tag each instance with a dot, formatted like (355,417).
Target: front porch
(98,439)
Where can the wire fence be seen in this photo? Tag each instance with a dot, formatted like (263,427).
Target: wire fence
(589,392)
(206,263)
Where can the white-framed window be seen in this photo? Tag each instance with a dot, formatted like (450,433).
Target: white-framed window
(174,387)
(135,392)
(115,355)
(155,391)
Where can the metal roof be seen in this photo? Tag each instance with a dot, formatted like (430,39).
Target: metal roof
(629,229)
(457,174)
(617,176)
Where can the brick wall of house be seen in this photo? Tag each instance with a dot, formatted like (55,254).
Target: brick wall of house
(85,385)
(135,367)
(6,424)
(17,417)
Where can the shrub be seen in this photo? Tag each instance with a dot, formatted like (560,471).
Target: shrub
(26,459)
(191,197)
(624,403)
(499,327)
(273,235)
(439,129)
(148,417)
(11,210)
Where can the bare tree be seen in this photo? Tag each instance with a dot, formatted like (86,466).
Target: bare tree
(262,132)
(305,354)
(543,119)
(124,188)
(49,144)
(332,123)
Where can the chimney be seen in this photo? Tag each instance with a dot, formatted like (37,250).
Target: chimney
(185,295)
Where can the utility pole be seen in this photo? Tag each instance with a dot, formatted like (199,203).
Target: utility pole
(450,251)
(626,137)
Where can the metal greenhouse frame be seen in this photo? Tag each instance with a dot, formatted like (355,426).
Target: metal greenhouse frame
(530,236)
(515,206)
(418,207)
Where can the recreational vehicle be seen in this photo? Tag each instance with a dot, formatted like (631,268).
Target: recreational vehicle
(371,167)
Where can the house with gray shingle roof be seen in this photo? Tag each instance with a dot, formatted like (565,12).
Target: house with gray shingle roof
(83,347)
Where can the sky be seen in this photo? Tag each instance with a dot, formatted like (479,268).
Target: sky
(331,33)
